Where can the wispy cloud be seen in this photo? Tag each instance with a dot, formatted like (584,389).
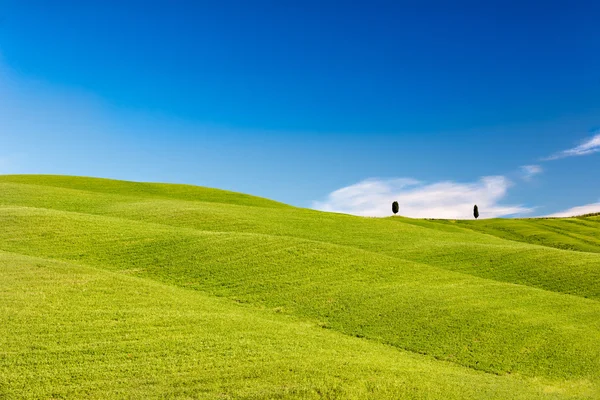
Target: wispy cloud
(373,197)
(529,171)
(579,210)
(590,146)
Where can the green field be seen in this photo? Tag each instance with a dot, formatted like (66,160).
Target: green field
(112,289)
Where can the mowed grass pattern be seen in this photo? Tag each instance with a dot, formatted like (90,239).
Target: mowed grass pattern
(72,331)
(577,233)
(439,293)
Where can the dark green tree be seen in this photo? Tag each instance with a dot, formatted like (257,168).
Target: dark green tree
(395,207)
(476,212)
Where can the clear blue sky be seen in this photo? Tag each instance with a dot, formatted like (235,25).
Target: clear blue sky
(293,100)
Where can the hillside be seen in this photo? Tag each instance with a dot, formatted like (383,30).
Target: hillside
(577,233)
(123,289)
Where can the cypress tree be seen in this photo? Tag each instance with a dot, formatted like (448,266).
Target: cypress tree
(476,212)
(395,207)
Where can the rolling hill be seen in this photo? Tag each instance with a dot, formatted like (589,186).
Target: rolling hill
(126,290)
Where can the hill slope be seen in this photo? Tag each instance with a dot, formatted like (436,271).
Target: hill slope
(456,297)
(577,233)
(78,332)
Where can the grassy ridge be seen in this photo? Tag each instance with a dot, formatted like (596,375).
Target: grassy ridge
(143,190)
(433,288)
(578,233)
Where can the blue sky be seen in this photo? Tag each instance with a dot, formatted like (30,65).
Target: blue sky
(338,106)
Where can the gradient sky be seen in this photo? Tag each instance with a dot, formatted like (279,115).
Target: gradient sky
(341,106)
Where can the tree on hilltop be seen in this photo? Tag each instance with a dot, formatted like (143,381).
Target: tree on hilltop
(395,207)
(476,212)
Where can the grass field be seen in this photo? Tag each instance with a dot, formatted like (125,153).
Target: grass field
(131,290)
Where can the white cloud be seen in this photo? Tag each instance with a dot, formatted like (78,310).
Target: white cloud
(529,171)
(579,210)
(589,146)
(452,200)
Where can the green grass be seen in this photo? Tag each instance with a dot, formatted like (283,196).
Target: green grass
(578,233)
(411,308)
(75,331)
